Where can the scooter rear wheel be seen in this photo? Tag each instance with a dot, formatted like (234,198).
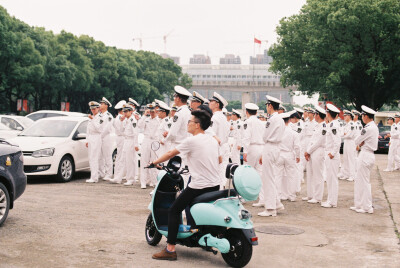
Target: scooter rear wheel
(153,237)
(241,250)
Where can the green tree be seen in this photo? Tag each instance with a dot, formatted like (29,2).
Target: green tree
(235,104)
(346,49)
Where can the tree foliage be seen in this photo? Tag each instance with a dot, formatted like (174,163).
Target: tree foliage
(349,50)
(48,68)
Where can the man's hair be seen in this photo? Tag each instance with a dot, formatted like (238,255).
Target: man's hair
(203,117)
(295,115)
(205,108)
(370,116)
(322,115)
(333,114)
(183,98)
(274,105)
(286,119)
(220,105)
(251,112)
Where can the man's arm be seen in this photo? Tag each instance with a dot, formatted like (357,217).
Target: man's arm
(167,156)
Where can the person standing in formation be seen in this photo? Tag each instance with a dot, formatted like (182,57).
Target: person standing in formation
(252,139)
(272,136)
(131,145)
(119,170)
(286,179)
(220,128)
(367,143)
(196,101)
(94,130)
(309,126)
(348,171)
(237,136)
(106,160)
(315,157)
(333,142)
(394,144)
(164,126)
(149,125)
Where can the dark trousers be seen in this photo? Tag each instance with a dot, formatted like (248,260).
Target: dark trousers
(174,212)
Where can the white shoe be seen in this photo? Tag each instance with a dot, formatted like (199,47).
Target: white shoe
(360,210)
(388,170)
(305,198)
(327,205)
(292,199)
(107,178)
(128,183)
(350,179)
(267,213)
(343,178)
(353,208)
(257,205)
(91,181)
(281,207)
(143,187)
(116,181)
(313,201)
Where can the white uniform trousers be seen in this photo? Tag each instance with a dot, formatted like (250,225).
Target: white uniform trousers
(303,147)
(393,152)
(285,176)
(316,168)
(130,157)
(224,152)
(362,185)
(348,169)
(270,157)
(119,169)
(147,176)
(332,170)
(235,154)
(94,150)
(105,160)
(254,155)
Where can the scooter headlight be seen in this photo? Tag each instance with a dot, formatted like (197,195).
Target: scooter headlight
(244,214)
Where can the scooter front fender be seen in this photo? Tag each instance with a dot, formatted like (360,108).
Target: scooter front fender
(223,212)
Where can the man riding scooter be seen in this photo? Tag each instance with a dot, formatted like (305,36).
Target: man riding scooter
(203,163)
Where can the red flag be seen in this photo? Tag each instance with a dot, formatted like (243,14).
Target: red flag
(257,41)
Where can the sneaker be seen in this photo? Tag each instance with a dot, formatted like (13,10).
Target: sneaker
(327,205)
(257,205)
(305,198)
(128,183)
(91,181)
(165,255)
(360,210)
(313,201)
(116,181)
(266,213)
(350,179)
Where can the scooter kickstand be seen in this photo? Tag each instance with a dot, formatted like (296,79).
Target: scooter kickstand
(210,248)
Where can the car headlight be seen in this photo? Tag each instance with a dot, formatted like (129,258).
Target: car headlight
(43,152)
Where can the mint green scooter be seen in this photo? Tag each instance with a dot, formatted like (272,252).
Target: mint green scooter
(219,221)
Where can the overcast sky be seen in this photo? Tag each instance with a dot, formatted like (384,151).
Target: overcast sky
(211,27)
(216,27)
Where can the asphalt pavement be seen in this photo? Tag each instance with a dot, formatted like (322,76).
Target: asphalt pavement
(102,225)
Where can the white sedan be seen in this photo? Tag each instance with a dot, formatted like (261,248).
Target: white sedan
(55,146)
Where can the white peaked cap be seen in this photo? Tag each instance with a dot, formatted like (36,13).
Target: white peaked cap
(106,102)
(298,110)
(272,99)
(132,101)
(236,112)
(182,91)
(251,106)
(320,110)
(367,110)
(219,98)
(332,108)
(120,105)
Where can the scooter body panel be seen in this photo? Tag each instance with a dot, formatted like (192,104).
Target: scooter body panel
(222,212)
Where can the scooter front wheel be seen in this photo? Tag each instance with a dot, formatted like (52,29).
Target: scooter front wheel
(241,250)
(153,237)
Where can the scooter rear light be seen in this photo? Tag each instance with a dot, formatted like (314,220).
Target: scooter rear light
(254,239)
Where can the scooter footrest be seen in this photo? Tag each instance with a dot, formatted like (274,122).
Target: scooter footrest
(182,228)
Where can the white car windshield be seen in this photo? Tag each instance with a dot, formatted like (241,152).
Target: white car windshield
(50,128)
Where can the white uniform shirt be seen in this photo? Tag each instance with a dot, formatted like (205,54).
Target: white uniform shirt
(333,139)
(290,142)
(220,126)
(149,126)
(349,131)
(95,125)
(237,132)
(162,127)
(178,131)
(318,139)
(309,128)
(369,135)
(253,130)
(131,129)
(118,126)
(358,128)
(395,132)
(201,153)
(108,123)
(274,129)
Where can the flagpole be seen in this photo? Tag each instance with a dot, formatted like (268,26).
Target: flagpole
(254,53)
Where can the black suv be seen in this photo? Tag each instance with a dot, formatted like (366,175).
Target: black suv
(12,177)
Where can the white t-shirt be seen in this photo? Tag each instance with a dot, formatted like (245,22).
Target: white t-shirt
(201,155)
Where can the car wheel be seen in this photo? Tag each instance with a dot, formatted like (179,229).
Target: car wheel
(66,169)
(4,203)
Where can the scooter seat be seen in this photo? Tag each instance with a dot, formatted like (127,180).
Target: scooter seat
(212,196)
(182,228)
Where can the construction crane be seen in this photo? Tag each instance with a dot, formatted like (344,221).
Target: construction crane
(164,38)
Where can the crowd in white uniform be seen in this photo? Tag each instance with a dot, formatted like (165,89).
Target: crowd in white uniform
(280,146)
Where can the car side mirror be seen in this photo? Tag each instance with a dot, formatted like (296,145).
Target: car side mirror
(80,136)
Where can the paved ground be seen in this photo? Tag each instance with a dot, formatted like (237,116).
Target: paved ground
(102,225)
